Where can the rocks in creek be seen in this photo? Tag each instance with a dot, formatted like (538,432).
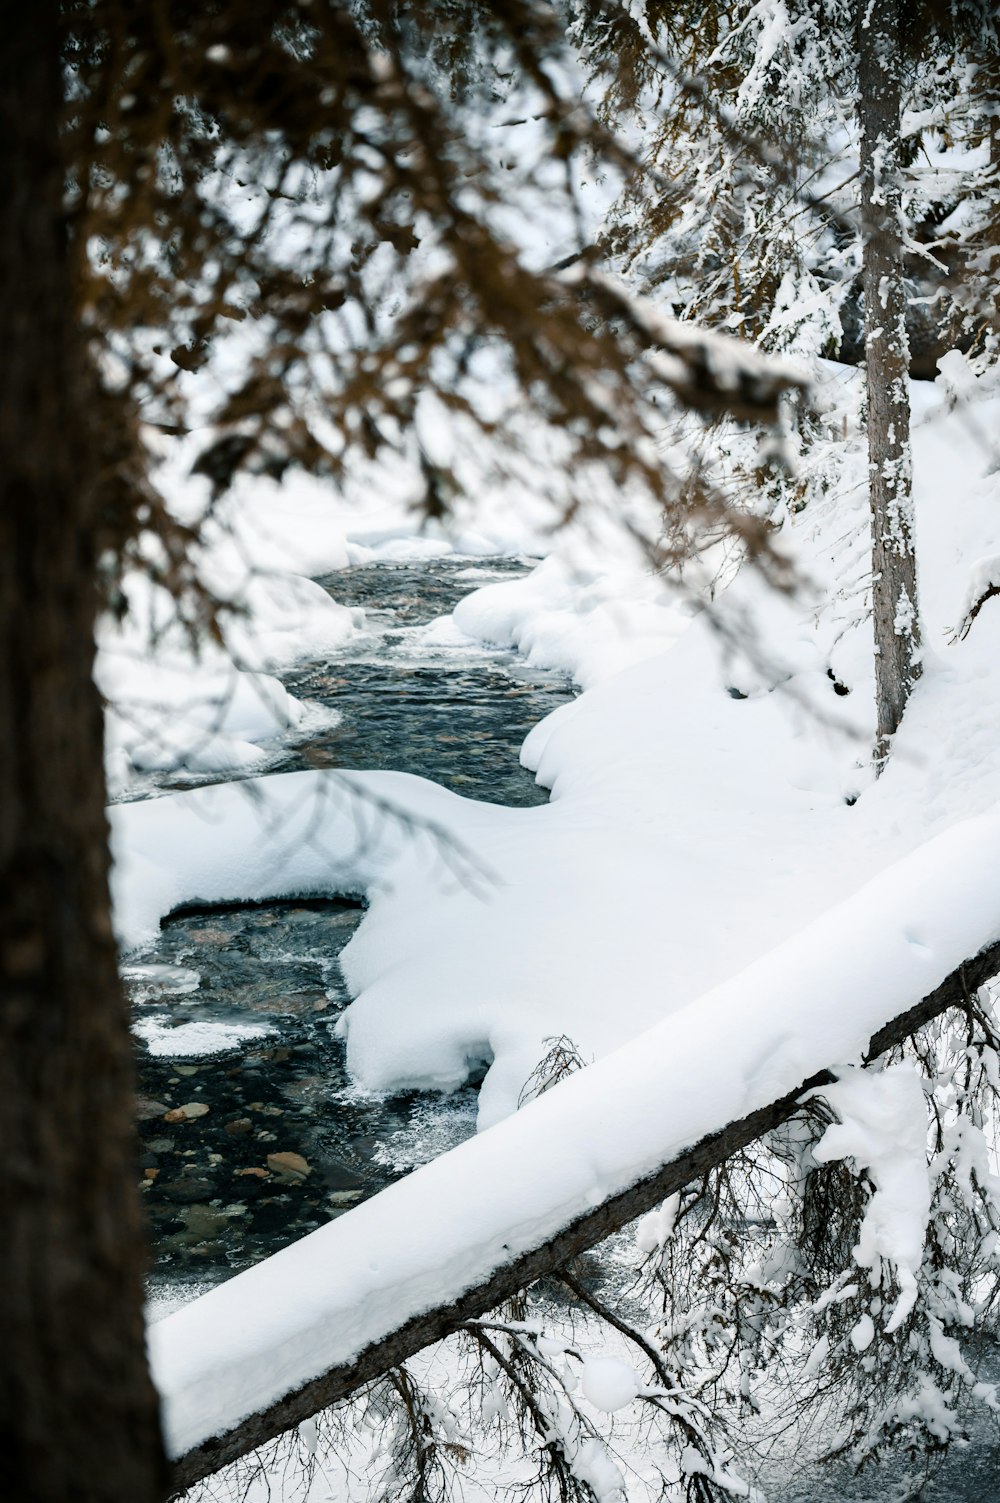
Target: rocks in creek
(288,1165)
(273,1218)
(291,1004)
(277,1056)
(339,1176)
(186,1191)
(199,1230)
(213,1203)
(307,1090)
(187,1112)
(269,1099)
(146,1108)
(204,1221)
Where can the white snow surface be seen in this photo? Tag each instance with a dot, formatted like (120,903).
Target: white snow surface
(590,619)
(609,1383)
(811,1002)
(187,1040)
(216,710)
(883,1128)
(717,902)
(688,831)
(170,708)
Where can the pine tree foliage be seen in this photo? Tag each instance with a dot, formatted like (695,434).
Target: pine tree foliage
(323,211)
(754,223)
(763,1306)
(284,230)
(820,202)
(300,228)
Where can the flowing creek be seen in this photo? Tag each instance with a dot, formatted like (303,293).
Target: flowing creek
(278,1141)
(273,1141)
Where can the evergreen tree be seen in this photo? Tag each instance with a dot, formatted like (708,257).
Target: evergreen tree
(296,173)
(760,221)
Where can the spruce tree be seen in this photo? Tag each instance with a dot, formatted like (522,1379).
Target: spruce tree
(319,178)
(759,222)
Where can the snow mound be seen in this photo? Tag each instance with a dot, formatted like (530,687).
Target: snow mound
(609,1383)
(704,807)
(745,1043)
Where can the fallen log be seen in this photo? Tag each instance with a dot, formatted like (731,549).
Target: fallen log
(583,1232)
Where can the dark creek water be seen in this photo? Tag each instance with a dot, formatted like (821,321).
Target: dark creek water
(246,1150)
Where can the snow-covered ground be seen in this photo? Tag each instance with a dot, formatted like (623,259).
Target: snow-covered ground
(689,830)
(809,1003)
(718,899)
(210,707)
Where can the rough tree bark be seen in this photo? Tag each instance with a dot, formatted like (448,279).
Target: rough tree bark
(78,1414)
(586,1231)
(894,574)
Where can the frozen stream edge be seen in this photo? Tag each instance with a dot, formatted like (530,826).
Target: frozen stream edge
(234,1005)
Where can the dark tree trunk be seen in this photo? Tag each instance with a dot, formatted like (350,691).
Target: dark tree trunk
(894,575)
(78,1414)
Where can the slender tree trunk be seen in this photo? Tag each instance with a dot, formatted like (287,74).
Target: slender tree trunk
(78,1414)
(894,575)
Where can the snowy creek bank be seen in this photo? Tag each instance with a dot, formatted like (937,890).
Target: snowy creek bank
(251,1134)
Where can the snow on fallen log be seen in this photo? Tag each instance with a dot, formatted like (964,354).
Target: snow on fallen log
(276,1343)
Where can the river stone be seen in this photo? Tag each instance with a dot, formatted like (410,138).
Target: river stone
(289,1166)
(187,1191)
(146,1108)
(187,1111)
(338,1177)
(204,1222)
(308,1088)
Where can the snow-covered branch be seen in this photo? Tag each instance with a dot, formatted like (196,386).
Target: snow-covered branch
(275,1345)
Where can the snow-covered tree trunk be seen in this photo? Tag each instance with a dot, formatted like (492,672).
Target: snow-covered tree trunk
(894,575)
(78,1413)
